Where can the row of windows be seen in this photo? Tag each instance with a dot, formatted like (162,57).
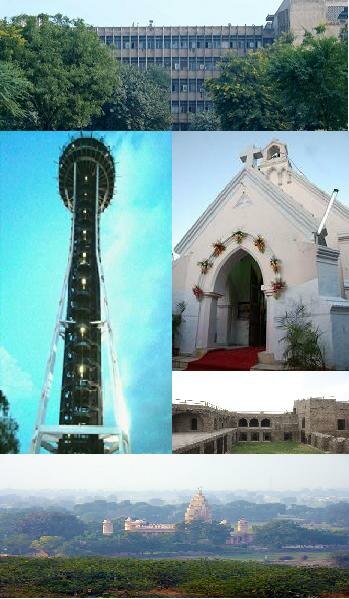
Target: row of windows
(188,85)
(207,63)
(175,43)
(184,106)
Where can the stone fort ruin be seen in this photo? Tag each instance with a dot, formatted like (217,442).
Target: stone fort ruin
(204,428)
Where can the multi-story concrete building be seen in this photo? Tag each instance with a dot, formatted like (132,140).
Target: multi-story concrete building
(192,54)
(107,527)
(202,428)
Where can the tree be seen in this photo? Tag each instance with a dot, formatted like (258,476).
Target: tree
(311,81)
(72,74)
(205,121)
(244,96)
(46,523)
(8,428)
(141,103)
(285,86)
(302,349)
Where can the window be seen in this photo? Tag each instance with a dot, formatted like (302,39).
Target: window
(151,43)
(175,107)
(287,436)
(192,107)
(200,107)
(194,424)
(255,437)
(192,85)
(134,42)
(216,41)
(184,85)
(184,64)
(192,42)
(175,85)
(183,42)
(184,106)
(167,42)
(243,422)
(141,43)
(265,422)
(192,64)
(158,43)
(142,64)
(126,42)
(243,437)
(167,63)
(175,42)
(200,42)
(303,422)
(109,40)
(341,424)
(254,422)
(266,437)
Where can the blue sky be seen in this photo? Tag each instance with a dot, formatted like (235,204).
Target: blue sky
(181,12)
(135,239)
(321,156)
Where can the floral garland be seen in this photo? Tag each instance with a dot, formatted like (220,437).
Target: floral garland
(278,285)
(219,248)
(259,243)
(205,265)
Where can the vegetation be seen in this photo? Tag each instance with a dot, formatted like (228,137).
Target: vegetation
(8,426)
(148,578)
(285,86)
(177,319)
(205,121)
(273,447)
(302,349)
(63,78)
(281,533)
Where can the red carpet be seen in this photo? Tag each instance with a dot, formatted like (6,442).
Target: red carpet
(242,358)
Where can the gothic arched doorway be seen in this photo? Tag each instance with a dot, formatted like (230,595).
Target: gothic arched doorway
(241,309)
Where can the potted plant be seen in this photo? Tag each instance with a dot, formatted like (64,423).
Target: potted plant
(177,319)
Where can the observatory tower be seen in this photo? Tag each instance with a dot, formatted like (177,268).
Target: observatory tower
(86,185)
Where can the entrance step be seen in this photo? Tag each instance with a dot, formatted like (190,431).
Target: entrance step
(266,361)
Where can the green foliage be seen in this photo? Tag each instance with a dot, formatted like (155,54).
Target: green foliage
(205,121)
(41,523)
(141,102)
(243,95)
(302,349)
(177,318)
(58,577)
(281,533)
(311,80)
(285,86)
(8,426)
(71,73)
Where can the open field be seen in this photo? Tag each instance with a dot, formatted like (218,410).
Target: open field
(82,577)
(273,447)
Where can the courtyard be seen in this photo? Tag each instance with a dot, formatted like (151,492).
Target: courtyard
(274,447)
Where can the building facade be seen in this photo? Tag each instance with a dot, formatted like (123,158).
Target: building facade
(320,422)
(192,55)
(255,254)
(107,527)
(141,526)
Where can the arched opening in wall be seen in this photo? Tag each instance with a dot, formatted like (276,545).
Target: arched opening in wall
(287,436)
(303,422)
(273,152)
(243,437)
(255,437)
(243,422)
(194,424)
(265,422)
(254,422)
(240,318)
(303,439)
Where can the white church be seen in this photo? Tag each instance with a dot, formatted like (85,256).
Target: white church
(262,247)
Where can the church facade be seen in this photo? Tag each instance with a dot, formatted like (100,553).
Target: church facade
(255,254)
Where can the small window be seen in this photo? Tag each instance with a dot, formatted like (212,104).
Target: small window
(254,422)
(303,422)
(194,424)
(341,424)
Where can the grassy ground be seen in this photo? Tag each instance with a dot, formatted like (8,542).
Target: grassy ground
(273,447)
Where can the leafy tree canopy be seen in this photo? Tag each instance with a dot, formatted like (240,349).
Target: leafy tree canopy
(8,426)
(286,86)
(205,121)
(72,74)
(140,103)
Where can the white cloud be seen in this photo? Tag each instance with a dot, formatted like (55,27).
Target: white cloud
(15,382)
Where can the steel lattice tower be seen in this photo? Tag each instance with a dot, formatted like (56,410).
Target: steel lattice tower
(86,185)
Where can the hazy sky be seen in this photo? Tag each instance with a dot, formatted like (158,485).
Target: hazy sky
(119,12)
(136,250)
(203,163)
(258,391)
(176,472)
